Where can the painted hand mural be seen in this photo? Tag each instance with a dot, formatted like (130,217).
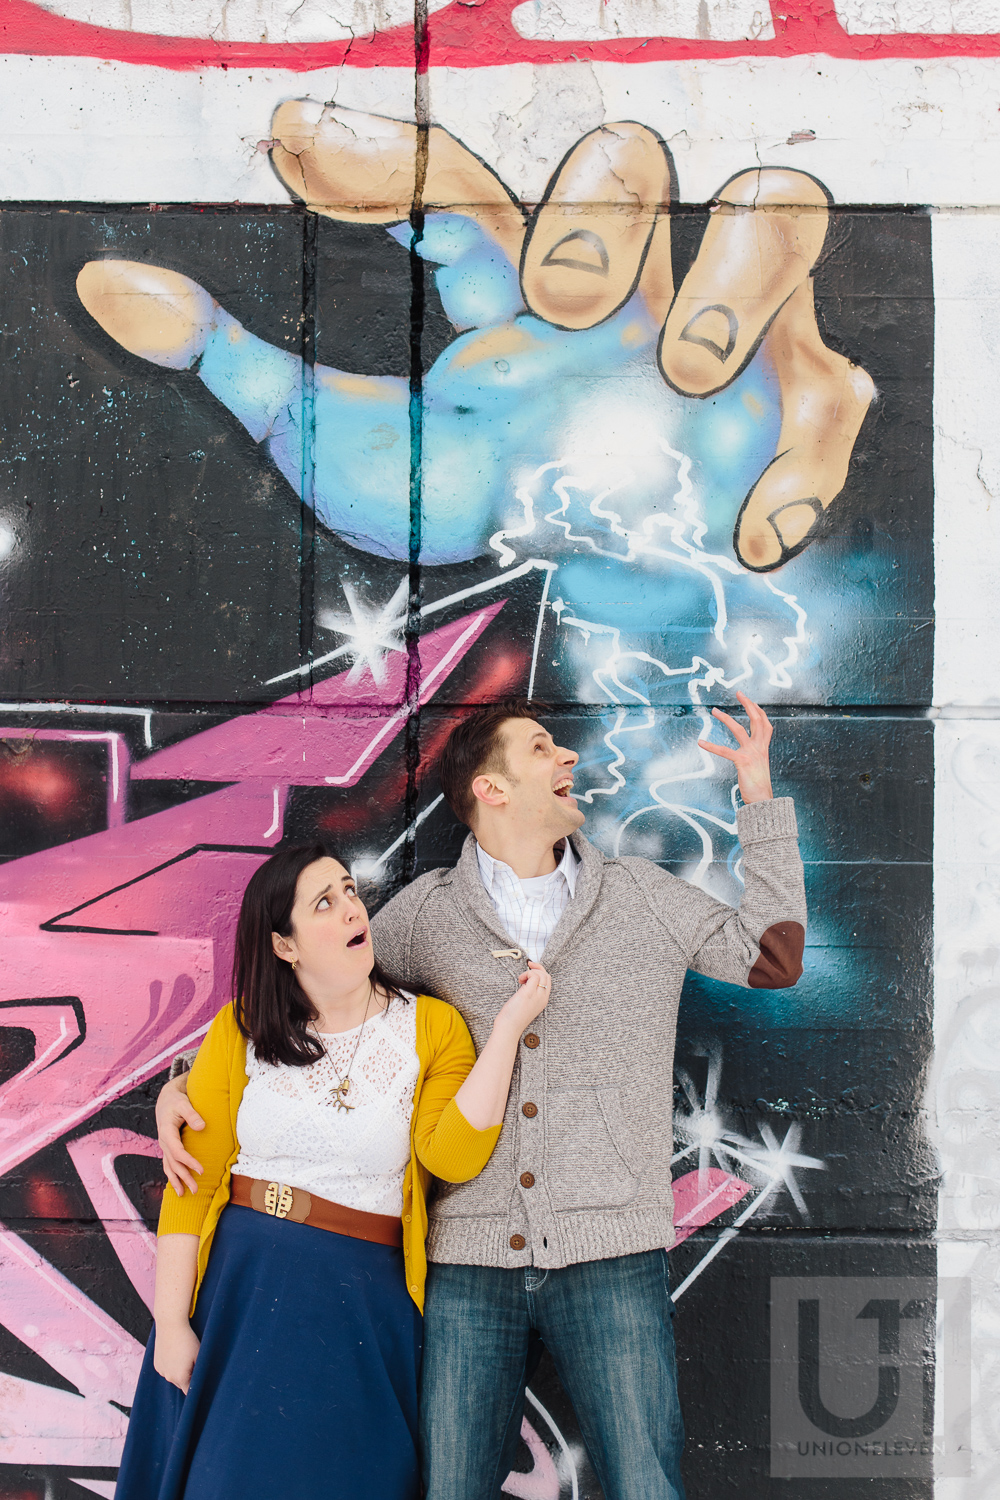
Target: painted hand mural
(544,306)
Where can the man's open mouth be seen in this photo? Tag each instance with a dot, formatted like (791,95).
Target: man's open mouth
(358,940)
(563,788)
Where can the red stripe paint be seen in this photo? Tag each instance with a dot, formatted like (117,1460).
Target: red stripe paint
(466,35)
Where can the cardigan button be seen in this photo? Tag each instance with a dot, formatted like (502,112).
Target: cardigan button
(531,1040)
(529,1109)
(407,1218)
(527,1179)
(517,1242)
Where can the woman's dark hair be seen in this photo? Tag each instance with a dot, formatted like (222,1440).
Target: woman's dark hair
(272,1011)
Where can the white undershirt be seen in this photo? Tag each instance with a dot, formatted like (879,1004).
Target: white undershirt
(290,1129)
(529,909)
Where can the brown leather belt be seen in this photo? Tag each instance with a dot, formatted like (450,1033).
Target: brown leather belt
(284,1202)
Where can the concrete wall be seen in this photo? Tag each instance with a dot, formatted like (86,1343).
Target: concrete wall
(295,465)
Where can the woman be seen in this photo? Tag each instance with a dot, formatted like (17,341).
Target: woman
(330,1099)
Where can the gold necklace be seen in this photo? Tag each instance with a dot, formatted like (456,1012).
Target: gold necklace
(339,1092)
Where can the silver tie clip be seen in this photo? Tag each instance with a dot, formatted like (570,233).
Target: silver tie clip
(506,952)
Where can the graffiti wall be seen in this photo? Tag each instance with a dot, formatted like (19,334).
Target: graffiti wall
(363,364)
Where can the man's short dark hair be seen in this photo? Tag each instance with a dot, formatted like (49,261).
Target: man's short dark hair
(476,747)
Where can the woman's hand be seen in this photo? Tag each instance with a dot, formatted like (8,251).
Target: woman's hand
(176,1346)
(482,1098)
(174,1353)
(530,1000)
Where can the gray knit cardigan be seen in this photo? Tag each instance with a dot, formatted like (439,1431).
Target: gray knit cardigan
(582,1167)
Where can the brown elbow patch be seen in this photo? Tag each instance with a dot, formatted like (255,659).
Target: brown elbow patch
(780,962)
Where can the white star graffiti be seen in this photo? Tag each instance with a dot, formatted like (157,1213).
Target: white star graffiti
(772,1163)
(372,632)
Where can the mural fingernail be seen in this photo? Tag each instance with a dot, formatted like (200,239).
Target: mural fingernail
(597,264)
(587,245)
(709,327)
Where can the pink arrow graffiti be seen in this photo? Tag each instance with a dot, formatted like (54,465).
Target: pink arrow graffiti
(328,735)
(700,1197)
(117,947)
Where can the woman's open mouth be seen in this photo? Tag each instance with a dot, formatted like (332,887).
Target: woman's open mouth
(359,939)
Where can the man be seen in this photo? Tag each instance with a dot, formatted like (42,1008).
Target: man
(562,1236)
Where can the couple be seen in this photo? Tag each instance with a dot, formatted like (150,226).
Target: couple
(331,1095)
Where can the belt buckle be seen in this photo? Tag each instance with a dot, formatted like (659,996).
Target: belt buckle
(278,1199)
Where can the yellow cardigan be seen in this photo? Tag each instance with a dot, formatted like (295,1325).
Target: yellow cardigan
(442,1142)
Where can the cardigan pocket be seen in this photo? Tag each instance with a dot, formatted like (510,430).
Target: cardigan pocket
(613,1110)
(585,1166)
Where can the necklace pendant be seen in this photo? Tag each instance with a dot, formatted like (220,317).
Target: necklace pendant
(341,1105)
(338,1094)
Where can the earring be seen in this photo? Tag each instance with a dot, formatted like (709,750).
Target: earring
(294,962)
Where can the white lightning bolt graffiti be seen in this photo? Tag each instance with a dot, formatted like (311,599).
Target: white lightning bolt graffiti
(673,535)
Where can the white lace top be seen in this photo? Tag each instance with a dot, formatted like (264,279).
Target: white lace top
(290,1129)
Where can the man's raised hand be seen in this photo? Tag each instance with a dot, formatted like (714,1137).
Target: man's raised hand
(751,757)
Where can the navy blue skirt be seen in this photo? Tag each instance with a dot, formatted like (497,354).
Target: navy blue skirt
(306,1381)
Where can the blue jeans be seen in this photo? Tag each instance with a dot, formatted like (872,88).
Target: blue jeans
(607,1325)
